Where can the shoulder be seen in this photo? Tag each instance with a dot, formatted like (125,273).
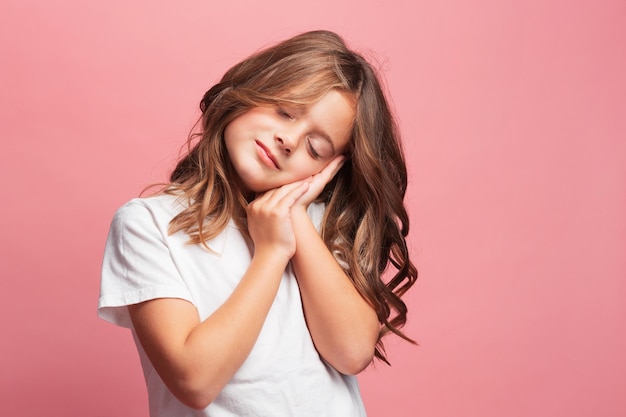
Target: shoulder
(140,218)
(162,205)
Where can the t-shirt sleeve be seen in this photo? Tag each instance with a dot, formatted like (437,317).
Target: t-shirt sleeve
(316,214)
(137,264)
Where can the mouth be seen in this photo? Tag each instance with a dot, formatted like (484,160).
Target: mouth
(266,155)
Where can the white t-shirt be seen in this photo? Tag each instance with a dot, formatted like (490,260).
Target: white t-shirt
(283,375)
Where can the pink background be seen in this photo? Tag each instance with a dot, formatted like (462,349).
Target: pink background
(514,119)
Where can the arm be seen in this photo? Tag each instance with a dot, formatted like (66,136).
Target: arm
(344,327)
(197,359)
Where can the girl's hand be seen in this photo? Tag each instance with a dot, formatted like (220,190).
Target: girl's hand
(269,218)
(318,181)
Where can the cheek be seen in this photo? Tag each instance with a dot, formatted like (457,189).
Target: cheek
(227,135)
(307,168)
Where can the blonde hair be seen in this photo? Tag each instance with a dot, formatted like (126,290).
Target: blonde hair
(365,224)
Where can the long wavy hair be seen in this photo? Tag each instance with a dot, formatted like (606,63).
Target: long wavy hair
(365,223)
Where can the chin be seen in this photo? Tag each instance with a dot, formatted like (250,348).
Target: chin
(255,188)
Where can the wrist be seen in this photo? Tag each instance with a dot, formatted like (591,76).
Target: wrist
(273,255)
(299,215)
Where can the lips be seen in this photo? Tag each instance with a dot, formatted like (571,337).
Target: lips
(266,155)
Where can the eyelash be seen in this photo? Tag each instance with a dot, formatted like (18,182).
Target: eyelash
(312,149)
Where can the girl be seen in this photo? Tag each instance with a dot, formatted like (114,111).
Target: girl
(252,282)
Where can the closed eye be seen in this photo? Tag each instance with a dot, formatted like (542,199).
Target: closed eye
(312,150)
(284,113)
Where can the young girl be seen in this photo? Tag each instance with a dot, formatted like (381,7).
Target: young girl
(252,282)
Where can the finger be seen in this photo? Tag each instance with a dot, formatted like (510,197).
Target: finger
(332,168)
(278,202)
(328,172)
(335,165)
(276,194)
(287,200)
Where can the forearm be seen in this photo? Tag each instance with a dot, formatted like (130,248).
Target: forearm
(197,359)
(344,327)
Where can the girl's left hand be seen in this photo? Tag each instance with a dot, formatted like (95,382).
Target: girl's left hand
(318,181)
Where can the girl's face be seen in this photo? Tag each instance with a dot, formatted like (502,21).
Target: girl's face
(270,147)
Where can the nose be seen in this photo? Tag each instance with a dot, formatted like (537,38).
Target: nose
(287,140)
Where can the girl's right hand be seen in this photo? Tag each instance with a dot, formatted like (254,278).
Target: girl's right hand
(269,218)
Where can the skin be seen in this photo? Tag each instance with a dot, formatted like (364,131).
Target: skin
(285,158)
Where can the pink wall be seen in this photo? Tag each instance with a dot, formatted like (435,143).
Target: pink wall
(514,119)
